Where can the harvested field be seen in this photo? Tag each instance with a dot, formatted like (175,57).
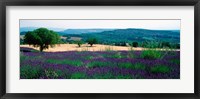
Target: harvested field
(86,47)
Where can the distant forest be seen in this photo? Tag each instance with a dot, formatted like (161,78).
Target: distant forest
(124,37)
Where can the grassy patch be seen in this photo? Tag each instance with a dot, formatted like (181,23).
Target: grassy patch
(131,53)
(139,66)
(107,55)
(85,49)
(69,62)
(160,69)
(22,57)
(175,61)
(109,48)
(30,72)
(53,74)
(117,55)
(132,66)
(78,75)
(151,54)
(99,64)
(88,57)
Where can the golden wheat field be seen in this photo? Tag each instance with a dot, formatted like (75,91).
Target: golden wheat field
(86,47)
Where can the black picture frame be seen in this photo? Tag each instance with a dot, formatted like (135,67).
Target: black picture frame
(4,3)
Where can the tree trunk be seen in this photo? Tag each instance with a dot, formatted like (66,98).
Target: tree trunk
(91,45)
(41,48)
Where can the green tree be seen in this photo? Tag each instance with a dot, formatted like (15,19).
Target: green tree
(92,41)
(135,44)
(42,38)
(79,43)
(165,44)
(21,41)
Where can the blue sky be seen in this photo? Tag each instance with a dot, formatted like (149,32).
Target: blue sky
(113,24)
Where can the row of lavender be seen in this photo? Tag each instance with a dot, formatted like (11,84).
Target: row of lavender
(100,65)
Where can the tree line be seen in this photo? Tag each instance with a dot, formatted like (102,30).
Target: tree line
(44,38)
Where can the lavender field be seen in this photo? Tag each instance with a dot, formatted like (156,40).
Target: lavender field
(145,64)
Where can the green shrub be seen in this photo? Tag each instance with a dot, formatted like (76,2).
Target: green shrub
(175,46)
(117,55)
(151,54)
(69,62)
(79,43)
(150,44)
(160,69)
(139,66)
(125,65)
(165,45)
(92,41)
(135,44)
(175,61)
(21,41)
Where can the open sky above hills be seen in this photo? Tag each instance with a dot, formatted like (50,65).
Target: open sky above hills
(106,24)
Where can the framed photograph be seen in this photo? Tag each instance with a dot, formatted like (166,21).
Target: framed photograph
(100,49)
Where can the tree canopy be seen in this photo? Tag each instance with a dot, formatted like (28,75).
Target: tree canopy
(79,43)
(42,38)
(92,41)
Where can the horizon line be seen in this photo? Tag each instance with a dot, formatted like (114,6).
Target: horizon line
(99,28)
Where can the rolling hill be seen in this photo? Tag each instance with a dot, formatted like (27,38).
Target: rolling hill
(130,35)
(83,31)
(62,31)
(109,36)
